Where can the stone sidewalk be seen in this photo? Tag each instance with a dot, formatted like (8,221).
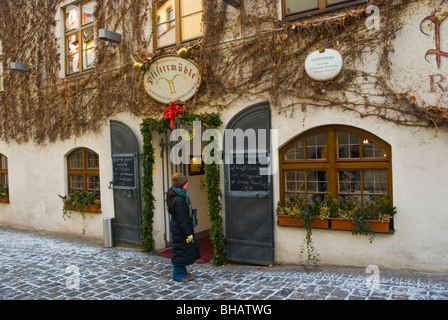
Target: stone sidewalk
(36,266)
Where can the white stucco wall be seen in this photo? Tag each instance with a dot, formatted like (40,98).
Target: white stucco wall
(37,174)
(420,173)
(419,163)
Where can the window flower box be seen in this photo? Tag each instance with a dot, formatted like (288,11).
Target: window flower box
(94,208)
(4,195)
(377,226)
(380,226)
(342,224)
(81,201)
(295,221)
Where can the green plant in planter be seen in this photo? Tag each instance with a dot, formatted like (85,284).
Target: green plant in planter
(376,209)
(380,209)
(4,192)
(300,208)
(292,208)
(327,208)
(281,209)
(348,209)
(362,226)
(82,199)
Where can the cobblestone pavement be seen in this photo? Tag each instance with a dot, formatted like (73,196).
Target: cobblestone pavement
(37,266)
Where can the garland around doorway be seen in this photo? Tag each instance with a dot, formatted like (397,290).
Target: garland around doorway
(211,121)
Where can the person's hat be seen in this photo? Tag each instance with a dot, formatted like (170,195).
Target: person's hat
(179,180)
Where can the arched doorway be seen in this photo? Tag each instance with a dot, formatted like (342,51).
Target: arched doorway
(249,203)
(126,184)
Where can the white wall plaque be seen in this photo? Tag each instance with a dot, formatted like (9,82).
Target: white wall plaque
(171,78)
(324,65)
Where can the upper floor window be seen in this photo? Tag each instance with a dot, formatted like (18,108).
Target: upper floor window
(345,162)
(79,37)
(1,67)
(300,8)
(177,21)
(83,171)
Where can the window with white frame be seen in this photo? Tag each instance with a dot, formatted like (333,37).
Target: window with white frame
(176,21)
(79,37)
(302,8)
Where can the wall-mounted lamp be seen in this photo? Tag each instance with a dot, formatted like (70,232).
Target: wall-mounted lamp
(233,3)
(109,36)
(19,67)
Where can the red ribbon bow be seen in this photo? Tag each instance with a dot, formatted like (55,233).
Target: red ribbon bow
(171,113)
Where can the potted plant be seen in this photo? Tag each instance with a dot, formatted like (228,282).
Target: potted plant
(290,213)
(342,219)
(296,213)
(4,194)
(322,211)
(379,213)
(373,217)
(82,201)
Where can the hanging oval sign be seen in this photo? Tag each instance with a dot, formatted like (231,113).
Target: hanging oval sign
(323,65)
(171,78)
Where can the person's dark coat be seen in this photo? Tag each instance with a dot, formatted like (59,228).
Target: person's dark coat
(181,226)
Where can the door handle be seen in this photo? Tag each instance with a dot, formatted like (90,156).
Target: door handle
(263,195)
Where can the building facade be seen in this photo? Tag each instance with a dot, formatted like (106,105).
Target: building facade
(73,102)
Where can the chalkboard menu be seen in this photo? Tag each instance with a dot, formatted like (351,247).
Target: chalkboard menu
(246,176)
(124,172)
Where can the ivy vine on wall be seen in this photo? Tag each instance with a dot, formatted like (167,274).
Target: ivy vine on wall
(41,106)
(264,59)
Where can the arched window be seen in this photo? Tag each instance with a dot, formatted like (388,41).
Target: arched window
(3,171)
(83,171)
(344,161)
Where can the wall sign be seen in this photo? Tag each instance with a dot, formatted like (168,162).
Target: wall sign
(124,171)
(324,65)
(436,81)
(246,176)
(171,78)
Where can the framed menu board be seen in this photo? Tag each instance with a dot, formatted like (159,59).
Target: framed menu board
(246,176)
(124,171)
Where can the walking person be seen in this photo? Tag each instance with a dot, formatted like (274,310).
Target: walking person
(184,249)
